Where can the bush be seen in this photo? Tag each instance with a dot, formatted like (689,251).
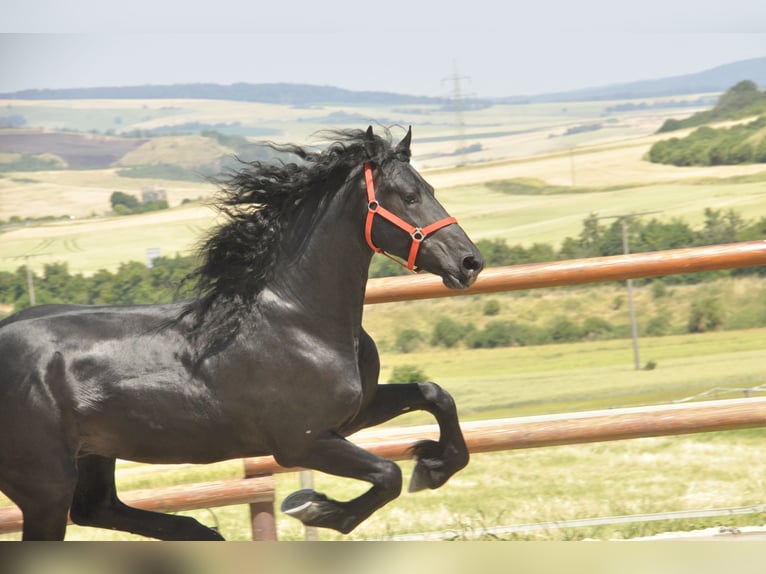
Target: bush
(491,308)
(407,374)
(494,334)
(658,326)
(597,328)
(506,334)
(563,330)
(125,204)
(448,332)
(659,289)
(407,340)
(705,315)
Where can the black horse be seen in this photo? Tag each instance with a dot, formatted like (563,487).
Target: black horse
(270,357)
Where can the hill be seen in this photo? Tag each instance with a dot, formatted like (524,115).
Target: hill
(715,79)
(740,101)
(730,145)
(281,93)
(77,151)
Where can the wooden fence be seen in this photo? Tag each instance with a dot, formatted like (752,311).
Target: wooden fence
(257,488)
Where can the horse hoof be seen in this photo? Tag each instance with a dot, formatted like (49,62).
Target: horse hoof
(424,477)
(299,504)
(431,470)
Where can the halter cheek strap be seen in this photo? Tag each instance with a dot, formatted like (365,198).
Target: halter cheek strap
(418,234)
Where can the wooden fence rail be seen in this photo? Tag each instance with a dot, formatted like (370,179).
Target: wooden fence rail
(256,487)
(575,272)
(175,498)
(561,429)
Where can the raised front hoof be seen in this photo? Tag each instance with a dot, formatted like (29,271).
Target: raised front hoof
(432,469)
(315,509)
(299,504)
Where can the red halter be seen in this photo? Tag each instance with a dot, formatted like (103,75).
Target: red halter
(418,234)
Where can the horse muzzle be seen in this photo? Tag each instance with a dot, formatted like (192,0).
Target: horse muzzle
(466,273)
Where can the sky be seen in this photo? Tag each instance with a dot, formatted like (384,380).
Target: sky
(497,48)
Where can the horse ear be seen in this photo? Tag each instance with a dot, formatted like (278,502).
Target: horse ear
(369,143)
(404,146)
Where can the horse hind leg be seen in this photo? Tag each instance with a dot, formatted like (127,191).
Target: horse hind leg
(95,503)
(43,491)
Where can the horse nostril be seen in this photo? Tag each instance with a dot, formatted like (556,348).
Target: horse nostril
(472,263)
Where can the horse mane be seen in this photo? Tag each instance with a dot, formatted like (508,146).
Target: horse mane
(260,201)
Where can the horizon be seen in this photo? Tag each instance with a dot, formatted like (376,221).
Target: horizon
(296,83)
(495,51)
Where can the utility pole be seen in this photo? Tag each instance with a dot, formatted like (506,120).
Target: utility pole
(572,164)
(30,282)
(456,96)
(30,275)
(623,218)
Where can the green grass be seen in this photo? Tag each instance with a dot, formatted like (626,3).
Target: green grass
(527,219)
(551,484)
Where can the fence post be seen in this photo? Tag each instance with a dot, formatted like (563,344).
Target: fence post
(262,520)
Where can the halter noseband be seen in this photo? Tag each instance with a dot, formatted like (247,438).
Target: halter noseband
(418,234)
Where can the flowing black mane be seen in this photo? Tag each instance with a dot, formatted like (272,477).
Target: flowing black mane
(260,202)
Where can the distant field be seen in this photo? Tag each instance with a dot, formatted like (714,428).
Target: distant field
(103,243)
(603,167)
(90,244)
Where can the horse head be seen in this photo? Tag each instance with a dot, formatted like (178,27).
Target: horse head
(405,219)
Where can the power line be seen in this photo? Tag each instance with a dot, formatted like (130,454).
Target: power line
(456,96)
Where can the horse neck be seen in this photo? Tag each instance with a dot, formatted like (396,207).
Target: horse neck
(326,275)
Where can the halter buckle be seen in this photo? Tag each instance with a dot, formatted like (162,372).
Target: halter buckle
(417,234)
(372,206)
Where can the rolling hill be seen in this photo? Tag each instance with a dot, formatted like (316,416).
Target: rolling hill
(714,79)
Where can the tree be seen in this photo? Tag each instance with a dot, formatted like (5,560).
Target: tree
(128,201)
(720,227)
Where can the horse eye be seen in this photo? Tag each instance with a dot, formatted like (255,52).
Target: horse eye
(410,198)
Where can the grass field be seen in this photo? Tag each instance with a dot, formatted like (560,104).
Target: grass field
(559,483)
(604,173)
(604,169)
(104,242)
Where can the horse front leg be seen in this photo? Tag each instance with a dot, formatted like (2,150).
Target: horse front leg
(438,460)
(333,454)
